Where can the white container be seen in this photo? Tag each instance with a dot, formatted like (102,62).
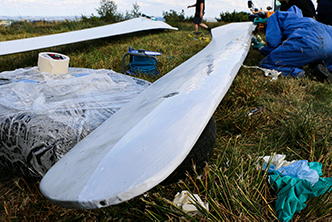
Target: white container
(53,62)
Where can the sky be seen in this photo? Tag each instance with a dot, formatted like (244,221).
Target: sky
(148,7)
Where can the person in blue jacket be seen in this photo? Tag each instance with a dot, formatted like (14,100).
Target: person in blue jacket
(294,41)
(324,11)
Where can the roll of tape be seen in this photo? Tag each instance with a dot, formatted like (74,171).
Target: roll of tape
(52,62)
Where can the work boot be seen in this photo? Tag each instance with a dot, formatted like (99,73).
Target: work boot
(322,73)
(301,74)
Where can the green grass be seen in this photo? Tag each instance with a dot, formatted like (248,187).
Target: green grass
(296,121)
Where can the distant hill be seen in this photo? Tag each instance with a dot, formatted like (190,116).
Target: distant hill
(211,19)
(62,18)
(34,18)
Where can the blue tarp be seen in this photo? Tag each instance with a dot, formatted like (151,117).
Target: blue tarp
(294,41)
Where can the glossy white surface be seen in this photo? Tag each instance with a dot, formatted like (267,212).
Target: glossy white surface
(128,26)
(145,141)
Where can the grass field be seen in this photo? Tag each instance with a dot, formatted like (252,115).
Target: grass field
(296,121)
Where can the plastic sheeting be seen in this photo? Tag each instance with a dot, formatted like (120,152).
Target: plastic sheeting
(43,115)
(294,41)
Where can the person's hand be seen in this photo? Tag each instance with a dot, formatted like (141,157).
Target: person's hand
(258,46)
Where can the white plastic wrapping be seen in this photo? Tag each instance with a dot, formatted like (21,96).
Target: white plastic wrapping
(43,115)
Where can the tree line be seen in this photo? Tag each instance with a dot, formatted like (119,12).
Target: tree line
(108,11)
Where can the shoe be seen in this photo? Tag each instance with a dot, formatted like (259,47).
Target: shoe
(197,33)
(322,73)
(329,79)
(209,29)
(301,74)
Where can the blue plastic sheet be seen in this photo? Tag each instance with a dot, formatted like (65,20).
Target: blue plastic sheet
(294,41)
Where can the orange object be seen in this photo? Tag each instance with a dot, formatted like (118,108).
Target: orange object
(269,13)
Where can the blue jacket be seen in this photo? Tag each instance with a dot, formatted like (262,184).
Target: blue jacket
(294,41)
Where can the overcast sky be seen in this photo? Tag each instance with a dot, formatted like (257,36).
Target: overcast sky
(148,7)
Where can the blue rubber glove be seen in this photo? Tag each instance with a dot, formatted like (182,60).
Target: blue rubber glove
(254,40)
(258,46)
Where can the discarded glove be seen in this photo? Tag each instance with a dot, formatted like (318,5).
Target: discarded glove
(188,202)
(277,160)
(298,169)
(293,190)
